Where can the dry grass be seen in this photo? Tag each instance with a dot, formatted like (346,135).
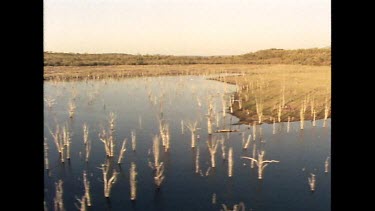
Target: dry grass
(304,86)
(125,71)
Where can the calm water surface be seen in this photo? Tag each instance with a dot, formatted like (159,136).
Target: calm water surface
(138,103)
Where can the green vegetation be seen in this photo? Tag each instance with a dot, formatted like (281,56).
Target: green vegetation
(313,56)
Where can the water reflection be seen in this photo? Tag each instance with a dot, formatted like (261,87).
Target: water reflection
(139,105)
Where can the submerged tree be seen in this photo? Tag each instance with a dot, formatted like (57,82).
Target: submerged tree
(109,180)
(212,148)
(58,200)
(157,166)
(261,163)
(86,184)
(230,162)
(122,151)
(193,128)
(133,182)
(326,163)
(312,182)
(236,207)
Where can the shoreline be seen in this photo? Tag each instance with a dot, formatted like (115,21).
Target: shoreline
(306,87)
(126,71)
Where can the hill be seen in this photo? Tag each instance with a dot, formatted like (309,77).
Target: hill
(313,56)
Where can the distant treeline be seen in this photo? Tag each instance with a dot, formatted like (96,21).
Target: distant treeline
(313,56)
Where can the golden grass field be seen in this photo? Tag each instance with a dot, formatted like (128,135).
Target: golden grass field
(305,87)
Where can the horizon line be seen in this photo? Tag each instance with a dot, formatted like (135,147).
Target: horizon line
(138,54)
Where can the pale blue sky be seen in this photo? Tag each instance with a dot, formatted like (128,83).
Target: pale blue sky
(185,27)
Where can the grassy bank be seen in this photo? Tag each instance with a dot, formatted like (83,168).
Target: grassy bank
(124,71)
(283,91)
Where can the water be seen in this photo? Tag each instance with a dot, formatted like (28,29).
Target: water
(137,106)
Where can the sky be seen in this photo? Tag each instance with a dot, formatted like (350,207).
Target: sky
(185,27)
